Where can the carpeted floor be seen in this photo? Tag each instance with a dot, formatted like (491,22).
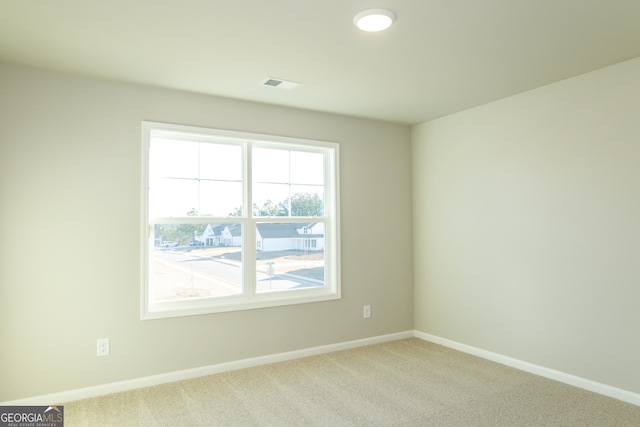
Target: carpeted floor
(402,383)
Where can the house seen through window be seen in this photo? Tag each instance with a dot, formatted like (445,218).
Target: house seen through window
(237,221)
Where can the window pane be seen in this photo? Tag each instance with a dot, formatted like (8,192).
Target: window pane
(193,178)
(270,199)
(220,198)
(307,168)
(173,159)
(288,183)
(196,261)
(173,197)
(270,165)
(289,256)
(221,162)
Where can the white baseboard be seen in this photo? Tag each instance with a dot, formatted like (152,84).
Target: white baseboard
(606,390)
(120,386)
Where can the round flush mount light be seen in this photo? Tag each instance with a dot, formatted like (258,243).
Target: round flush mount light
(374,19)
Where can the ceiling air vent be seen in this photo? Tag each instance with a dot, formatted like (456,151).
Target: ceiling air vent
(279,83)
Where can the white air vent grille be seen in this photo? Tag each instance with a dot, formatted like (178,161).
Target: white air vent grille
(279,83)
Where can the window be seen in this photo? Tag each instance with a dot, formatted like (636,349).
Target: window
(235,221)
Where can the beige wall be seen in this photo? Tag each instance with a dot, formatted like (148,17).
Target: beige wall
(69,235)
(527,226)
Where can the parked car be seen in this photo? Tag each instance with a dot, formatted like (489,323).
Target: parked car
(169,244)
(196,243)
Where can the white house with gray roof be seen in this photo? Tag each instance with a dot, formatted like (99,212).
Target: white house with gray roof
(222,235)
(269,237)
(290,236)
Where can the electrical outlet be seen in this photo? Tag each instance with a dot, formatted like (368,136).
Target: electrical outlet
(366,311)
(103,347)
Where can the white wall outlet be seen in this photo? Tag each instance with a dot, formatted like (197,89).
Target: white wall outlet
(103,347)
(366,311)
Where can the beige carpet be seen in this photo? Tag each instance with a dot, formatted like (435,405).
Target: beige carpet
(402,383)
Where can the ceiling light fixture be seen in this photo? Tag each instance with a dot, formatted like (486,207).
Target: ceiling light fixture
(374,19)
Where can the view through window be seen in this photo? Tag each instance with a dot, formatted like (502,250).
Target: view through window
(206,251)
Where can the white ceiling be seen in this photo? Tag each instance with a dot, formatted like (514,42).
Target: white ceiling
(440,56)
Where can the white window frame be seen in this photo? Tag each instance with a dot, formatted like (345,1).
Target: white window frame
(249,298)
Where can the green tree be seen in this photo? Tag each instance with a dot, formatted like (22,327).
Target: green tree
(187,232)
(180,233)
(268,209)
(302,204)
(237,211)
